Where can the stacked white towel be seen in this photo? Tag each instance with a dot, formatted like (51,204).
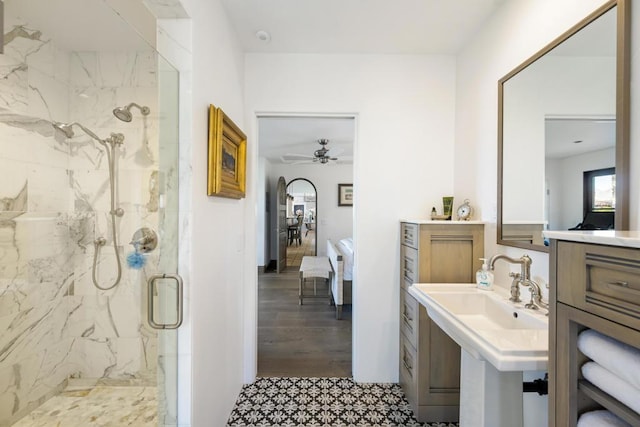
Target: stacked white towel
(612,384)
(601,419)
(617,357)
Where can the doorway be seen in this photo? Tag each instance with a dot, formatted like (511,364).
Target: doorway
(302,214)
(296,340)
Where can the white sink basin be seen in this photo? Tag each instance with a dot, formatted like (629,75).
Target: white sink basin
(487,325)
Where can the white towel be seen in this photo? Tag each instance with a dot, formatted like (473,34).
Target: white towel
(612,384)
(613,355)
(601,418)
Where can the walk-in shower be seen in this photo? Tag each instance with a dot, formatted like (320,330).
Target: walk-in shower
(124,113)
(110,144)
(74,309)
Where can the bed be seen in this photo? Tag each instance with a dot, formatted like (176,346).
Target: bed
(341,258)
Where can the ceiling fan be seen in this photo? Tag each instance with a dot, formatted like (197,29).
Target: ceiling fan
(320,155)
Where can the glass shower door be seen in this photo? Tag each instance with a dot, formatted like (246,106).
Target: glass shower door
(165,288)
(62,334)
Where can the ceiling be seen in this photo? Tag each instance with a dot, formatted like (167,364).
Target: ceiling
(347,26)
(292,140)
(595,134)
(358,26)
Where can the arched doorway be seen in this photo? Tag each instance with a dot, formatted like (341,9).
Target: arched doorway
(302,215)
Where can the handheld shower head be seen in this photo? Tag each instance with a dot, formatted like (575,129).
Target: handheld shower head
(124,113)
(65,128)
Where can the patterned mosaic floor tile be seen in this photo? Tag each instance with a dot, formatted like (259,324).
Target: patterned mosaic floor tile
(335,402)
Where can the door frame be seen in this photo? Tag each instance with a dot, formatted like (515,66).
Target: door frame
(250,305)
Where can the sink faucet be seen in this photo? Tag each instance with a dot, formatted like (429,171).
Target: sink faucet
(536,296)
(523,278)
(518,278)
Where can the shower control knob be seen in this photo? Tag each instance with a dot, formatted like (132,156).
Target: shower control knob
(119,212)
(144,240)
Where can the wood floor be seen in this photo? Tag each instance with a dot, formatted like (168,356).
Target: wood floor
(300,340)
(296,251)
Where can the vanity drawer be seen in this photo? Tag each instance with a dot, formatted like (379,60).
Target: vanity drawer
(409,317)
(409,267)
(602,280)
(410,234)
(408,372)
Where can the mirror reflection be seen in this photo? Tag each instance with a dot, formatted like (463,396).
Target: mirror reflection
(558,127)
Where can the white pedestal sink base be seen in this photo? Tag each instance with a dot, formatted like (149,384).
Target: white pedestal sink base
(488,397)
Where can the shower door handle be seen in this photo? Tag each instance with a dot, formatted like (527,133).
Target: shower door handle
(152,289)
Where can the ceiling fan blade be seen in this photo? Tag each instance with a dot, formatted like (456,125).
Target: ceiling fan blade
(301,162)
(294,157)
(297,155)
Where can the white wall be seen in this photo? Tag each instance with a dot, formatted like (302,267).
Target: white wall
(513,34)
(263,253)
(566,177)
(219,254)
(404,155)
(551,87)
(333,222)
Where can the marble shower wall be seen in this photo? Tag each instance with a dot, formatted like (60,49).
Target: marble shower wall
(111,340)
(54,201)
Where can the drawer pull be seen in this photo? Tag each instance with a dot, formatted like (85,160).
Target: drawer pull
(621,286)
(407,366)
(408,320)
(619,283)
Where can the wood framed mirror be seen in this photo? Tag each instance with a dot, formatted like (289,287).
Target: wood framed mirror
(563,111)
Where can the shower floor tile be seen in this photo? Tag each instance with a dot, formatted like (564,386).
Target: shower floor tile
(100,406)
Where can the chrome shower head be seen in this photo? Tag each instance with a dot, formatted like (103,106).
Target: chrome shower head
(124,113)
(65,128)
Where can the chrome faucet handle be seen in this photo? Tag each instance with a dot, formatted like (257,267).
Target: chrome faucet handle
(536,296)
(515,287)
(531,304)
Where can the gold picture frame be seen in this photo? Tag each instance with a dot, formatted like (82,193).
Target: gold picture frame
(227,157)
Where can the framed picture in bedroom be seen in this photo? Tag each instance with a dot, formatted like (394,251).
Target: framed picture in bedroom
(345,194)
(226,174)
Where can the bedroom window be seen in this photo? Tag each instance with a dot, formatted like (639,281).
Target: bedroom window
(600,190)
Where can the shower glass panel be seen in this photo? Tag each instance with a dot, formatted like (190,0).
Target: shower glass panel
(62,339)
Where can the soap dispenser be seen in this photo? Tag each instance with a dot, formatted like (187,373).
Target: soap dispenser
(484,277)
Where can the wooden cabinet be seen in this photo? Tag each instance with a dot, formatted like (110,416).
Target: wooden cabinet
(433,252)
(595,287)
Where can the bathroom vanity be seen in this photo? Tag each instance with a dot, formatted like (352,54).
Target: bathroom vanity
(595,284)
(442,252)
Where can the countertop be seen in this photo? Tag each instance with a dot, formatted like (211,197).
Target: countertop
(629,239)
(447,222)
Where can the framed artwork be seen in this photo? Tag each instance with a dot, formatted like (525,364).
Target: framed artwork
(345,194)
(227,156)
